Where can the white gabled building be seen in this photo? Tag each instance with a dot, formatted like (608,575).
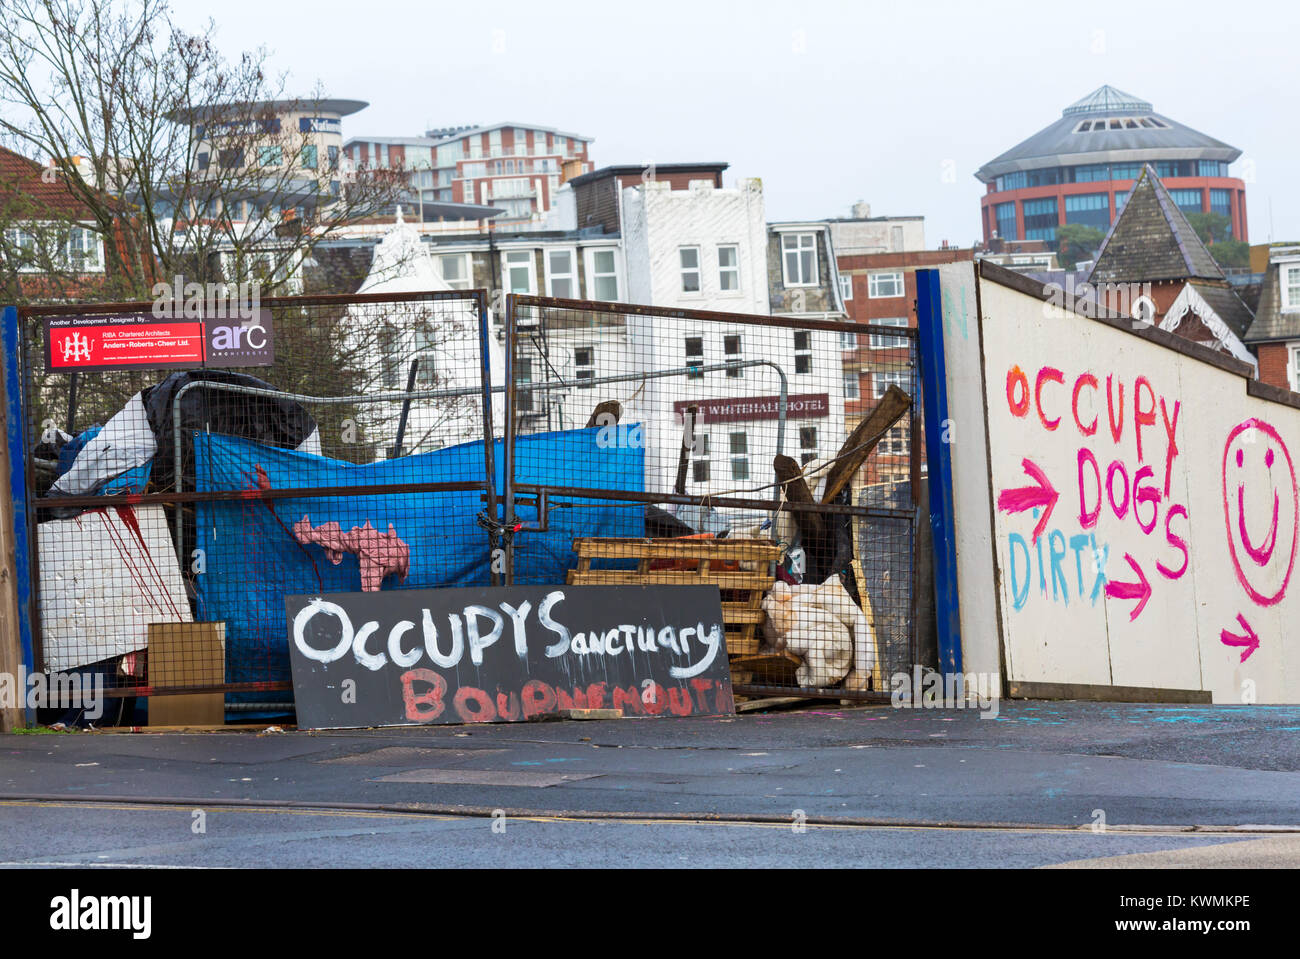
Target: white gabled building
(442,335)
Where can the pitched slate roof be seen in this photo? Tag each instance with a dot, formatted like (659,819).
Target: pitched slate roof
(1271,323)
(1227,305)
(1151,240)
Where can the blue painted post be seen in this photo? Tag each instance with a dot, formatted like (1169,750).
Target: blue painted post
(15,430)
(934,391)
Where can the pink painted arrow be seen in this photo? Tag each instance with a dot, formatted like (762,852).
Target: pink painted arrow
(1141,590)
(1028,497)
(1249,642)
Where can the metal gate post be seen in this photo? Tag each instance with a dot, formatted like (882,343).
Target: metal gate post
(934,392)
(16,441)
(508,466)
(489,438)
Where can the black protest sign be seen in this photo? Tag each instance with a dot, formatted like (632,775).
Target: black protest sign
(506,654)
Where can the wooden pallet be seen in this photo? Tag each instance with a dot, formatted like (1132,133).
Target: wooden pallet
(740,568)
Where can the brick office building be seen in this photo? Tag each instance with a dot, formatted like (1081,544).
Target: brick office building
(1081,168)
(880,289)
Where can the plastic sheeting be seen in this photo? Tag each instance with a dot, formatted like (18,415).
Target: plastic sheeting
(137,442)
(126,442)
(251,560)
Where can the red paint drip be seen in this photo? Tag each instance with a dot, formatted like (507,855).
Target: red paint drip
(127,515)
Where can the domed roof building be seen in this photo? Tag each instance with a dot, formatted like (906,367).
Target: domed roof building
(1081,169)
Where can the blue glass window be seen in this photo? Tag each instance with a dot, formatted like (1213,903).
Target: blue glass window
(1091,209)
(1211,168)
(1125,171)
(1091,173)
(1012,181)
(1189,201)
(1040,219)
(1006,217)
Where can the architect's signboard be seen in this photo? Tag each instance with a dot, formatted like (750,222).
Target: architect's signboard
(129,341)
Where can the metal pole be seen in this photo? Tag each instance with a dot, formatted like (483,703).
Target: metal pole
(684,454)
(489,437)
(72,402)
(406,409)
(511,426)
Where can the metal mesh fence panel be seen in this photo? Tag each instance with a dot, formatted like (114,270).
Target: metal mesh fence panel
(177,507)
(773,457)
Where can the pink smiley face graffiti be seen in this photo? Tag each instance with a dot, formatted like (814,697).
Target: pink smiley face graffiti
(1260,509)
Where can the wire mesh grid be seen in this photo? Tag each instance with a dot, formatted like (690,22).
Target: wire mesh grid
(177,509)
(771,456)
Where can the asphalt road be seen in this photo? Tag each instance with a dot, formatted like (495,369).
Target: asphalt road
(1045,772)
(38,835)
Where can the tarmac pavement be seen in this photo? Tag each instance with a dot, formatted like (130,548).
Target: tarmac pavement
(1041,784)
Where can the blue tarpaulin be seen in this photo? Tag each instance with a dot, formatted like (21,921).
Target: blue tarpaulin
(251,561)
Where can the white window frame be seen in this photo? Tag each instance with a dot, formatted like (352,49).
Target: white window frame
(552,276)
(683,270)
(881,379)
(506,267)
(732,271)
(807,453)
(28,237)
(883,341)
(798,250)
(584,382)
(896,440)
(848,341)
(700,454)
(737,458)
(846,287)
(467,265)
(1283,275)
(689,358)
(853,378)
(805,352)
(589,255)
(1293,366)
(874,281)
(525,400)
(735,372)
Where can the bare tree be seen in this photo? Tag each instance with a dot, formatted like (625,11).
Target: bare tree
(188,167)
(178,154)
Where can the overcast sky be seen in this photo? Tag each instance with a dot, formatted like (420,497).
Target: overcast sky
(827,101)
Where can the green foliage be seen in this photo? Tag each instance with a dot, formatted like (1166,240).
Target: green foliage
(1077,242)
(1211,227)
(1231,254)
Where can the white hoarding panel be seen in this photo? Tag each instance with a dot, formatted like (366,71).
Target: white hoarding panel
(105,576)
(1145,510)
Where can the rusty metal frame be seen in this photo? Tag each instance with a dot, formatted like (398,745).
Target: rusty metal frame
(176,497)
(515,489)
